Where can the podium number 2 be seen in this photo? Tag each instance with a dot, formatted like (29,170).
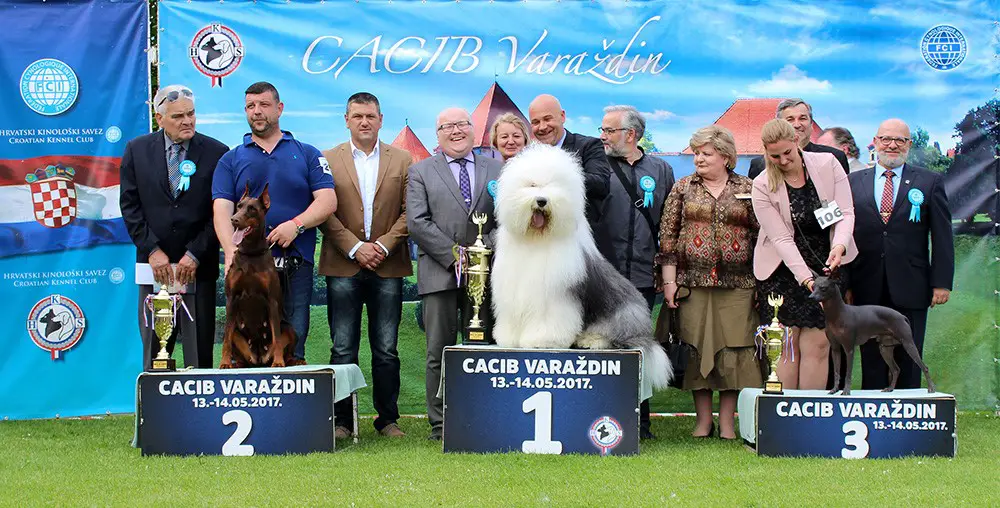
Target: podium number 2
(234,447)
(541,404)
(856,436)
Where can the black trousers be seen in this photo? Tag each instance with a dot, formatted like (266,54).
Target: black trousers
(650,295)
(874,371)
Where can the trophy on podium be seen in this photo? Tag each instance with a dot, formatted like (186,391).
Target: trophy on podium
(773,338)
(474,263)
(163,326)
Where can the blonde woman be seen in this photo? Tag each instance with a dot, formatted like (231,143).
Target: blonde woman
(508,135)
(793,244)
(707,235)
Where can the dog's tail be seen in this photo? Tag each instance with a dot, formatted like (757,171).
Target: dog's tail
(656,364)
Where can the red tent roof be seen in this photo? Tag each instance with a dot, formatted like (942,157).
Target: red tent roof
(407,140)
(745,118)
(495,103)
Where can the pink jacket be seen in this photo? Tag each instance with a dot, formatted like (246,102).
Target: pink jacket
(775,242)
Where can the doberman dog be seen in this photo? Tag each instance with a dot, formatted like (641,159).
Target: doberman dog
(254,303)
(850,326)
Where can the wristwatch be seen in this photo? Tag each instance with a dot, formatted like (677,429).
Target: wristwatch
(299,226)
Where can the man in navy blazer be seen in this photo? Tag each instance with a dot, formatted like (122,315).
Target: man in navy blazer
(799,113)
(899,209)
(166,202)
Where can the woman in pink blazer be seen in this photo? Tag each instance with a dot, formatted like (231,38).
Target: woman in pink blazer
(793,243)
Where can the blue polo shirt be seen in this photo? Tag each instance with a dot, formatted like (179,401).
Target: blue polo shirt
(293,171)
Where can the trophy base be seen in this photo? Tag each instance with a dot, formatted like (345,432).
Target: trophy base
(168,365)
(773,388)
(477,337)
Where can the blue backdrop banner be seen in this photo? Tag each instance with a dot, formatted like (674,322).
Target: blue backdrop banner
(74,80)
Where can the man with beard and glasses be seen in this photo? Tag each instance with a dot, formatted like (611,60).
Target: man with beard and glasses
(300,185)
(899,211)
(633,207)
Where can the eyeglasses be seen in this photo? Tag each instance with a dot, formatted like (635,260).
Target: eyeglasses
(888,140)
(609,130)
(174,95)
(448,127)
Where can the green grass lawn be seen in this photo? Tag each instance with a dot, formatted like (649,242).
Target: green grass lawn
(90,462)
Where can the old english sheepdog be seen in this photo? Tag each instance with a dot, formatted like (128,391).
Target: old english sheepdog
(551,287)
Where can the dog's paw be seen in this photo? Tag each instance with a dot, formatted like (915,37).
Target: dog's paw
(831,392)
(225,365)
(276,363)
(589,340)
(847,391)
(888,389)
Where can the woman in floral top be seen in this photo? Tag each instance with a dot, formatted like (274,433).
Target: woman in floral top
(707,236)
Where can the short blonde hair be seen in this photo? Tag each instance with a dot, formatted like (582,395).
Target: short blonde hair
(775,130)
(510,118)
(720,138)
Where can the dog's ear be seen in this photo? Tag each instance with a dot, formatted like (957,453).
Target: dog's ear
(835,274)
(246,192)
(265,198)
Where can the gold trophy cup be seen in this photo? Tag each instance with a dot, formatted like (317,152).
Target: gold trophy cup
(163,326)
(477,271)
(774,338)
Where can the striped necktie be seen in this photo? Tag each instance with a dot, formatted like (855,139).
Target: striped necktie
(174,167)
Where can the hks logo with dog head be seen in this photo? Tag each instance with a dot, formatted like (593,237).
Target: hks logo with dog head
(56,324)
(606,433)
(216,52)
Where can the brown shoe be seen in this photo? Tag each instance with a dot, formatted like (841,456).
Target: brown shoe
(392,430)
(341,432)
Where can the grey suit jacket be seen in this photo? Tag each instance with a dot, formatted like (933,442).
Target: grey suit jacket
(438,220)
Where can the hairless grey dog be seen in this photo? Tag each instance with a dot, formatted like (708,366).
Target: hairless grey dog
(849,326)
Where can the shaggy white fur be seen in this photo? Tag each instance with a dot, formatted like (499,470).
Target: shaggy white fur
(551,287)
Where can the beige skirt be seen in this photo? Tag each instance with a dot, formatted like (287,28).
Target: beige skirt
(720,324)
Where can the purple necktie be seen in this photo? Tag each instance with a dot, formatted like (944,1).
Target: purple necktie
(463,181)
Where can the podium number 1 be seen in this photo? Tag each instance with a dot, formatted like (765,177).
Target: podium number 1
(541,404)
(856,436)
(234,447)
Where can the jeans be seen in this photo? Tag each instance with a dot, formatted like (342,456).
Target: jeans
(297,291)
(384,299)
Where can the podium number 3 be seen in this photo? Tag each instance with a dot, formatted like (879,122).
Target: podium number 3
(856,436)
(234,447)
(541,404)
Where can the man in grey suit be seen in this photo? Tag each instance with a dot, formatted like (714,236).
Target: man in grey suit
(442,194)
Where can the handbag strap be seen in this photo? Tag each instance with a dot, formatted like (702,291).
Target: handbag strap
(632,193)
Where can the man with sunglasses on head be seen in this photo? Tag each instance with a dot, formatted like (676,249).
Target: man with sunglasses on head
(899,210)
(300,186)
(166,202)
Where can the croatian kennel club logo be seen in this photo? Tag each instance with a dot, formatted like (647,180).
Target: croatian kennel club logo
(943,47)
(605,433)
(56,324)
(49,87)
(216,52)
(53,195)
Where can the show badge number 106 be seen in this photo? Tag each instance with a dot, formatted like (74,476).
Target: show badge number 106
(241,414)
(855,428)
(548,402)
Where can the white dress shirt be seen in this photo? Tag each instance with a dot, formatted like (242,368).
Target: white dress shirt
(367,167)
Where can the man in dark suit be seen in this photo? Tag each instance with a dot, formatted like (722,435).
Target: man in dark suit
(547,126)
(442,194)
(798,113)
(897,207)
(166,202)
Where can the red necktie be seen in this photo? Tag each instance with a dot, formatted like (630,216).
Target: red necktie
(886,209)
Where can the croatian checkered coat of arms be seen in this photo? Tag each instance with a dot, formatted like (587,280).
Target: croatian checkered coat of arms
(53,195)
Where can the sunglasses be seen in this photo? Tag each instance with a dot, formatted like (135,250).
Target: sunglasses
(174,95)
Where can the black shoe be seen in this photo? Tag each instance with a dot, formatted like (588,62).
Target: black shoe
(711,432)
(645,433)
(435,435)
